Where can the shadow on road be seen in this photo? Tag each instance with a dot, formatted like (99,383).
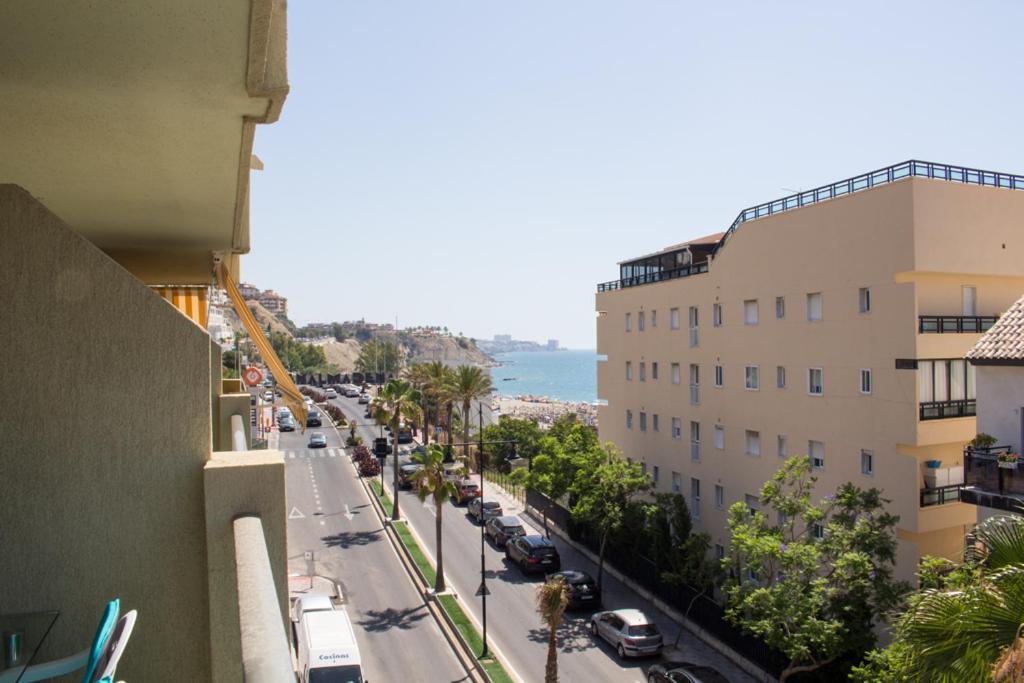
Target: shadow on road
(351,539)
(573,635)
(376,621)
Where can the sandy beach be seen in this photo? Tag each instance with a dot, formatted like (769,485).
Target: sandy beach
(544,410)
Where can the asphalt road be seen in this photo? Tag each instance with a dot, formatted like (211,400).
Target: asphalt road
(513,625)
(395,632)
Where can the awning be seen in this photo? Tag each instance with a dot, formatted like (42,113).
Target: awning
(190,301)
(291,393)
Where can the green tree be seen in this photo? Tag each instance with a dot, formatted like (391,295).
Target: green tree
(469,383)
(552,472)
(966,621)
(524,435)
(431,482)
(397,401)
(603,489)
(552,599)
(379,355)
(813,585)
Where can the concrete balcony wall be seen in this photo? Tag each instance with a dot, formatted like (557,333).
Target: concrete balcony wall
(106,421)
(231,404)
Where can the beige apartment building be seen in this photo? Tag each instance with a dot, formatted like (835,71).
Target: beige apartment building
(833,323)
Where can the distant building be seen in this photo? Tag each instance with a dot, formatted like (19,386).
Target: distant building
(503,338)
(552,344)
(274,302)
(249,291)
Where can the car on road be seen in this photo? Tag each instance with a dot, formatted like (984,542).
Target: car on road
(283,412)
(483,509)
(351,391)
(380,446)
(534,554)
(631,632)
(313,602)
(406,473)
(581,588)
(364,398)
(331,393)
(684,672)
(465,491)
(317,440)
(286,424)
(268,396)
(307,400)
(404,435)
(503,529)
(313,419)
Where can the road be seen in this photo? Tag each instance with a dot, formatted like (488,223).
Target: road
(514,628)
(395,632)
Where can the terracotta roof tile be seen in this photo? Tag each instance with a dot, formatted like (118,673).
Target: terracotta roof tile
(1005,340)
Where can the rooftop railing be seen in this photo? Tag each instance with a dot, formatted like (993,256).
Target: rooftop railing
(953,324)
(635,280)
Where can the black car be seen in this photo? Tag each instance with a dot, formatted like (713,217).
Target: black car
(684,673)
(581,587)
(313,419)
(404,435)
(534,554)
(286,424)
(501,529)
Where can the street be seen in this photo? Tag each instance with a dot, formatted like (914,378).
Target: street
(514,627)
(330,515)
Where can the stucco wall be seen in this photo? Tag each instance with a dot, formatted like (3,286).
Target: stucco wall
(1000,401)
(105,415)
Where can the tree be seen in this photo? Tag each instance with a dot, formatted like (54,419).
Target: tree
(965,623)
(552,599)
(552,472)
(602,490)
(431,482)
(379,355)
(813,585)
(469,383)
(524,438)
(397,401)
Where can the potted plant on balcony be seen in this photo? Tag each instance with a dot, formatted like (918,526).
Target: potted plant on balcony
(982,442)
(1008,461)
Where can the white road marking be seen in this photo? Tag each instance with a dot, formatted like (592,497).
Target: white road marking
(296,514)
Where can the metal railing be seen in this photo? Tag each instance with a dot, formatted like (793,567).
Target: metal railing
(635,280)
(940,324)
(939,410)
(266,656)
(857,183)
(941,495)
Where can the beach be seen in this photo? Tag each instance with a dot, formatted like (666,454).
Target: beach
(544,410)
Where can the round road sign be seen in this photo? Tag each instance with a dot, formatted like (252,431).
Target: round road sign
(252,376)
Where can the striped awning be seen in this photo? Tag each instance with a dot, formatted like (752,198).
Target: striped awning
(191,301)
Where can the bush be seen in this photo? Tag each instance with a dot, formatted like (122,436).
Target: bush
(354,441)
(369,468)
(336,414)
(361,454)
(314,393)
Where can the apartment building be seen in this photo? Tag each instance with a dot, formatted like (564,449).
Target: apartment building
(834,324)
(274,302)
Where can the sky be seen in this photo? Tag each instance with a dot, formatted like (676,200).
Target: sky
(482,165)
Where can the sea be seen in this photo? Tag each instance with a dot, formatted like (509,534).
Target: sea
(564,375)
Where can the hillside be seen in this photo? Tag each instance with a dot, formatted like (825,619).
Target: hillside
(264,316)
(445,349)
(343,354)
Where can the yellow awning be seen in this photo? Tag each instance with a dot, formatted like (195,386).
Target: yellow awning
(292,395)
(190,301)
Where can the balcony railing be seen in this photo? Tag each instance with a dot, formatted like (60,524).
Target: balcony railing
(941,495)
(635,280)
(938,410)
(939,324)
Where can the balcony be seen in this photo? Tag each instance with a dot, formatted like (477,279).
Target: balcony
(939,410)
(657,276)
(955,324)
(990,483)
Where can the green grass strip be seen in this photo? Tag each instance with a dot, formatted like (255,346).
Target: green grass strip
(469,633)
(381,496)
(417,554)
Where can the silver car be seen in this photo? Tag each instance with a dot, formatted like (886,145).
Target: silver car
(631,632)
(483,509)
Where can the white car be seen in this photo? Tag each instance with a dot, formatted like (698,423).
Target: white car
(308,400)
(351,392)
(268,396)
(283,412)
(331,393)
(364,398)
(311,603)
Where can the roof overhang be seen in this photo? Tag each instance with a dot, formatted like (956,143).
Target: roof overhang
(135,122)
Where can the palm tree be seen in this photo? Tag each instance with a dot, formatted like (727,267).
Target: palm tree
(440,390)
(397,400)
(419,375)
(469,384)
(974,631)
(431,481)
(552,599)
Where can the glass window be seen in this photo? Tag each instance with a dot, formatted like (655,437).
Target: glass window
(629,322)
(695,440)
(694,336)
(643,421)
(945,380)
(815,385)
(695,498)
(752,379)
(629,419)
(816,449)
(676,376)
(864,300)
(677,428)
(750,312)
(781,445)
(719,437)
(654,369)
(753,503)
(673,318)
(865,381)
(640,318)
(694,384)
(957,380)
(867,462)
(654,422)
(643,371)
(629,370)
(655,471)
(677,482)
(970,297)
(819,531)
(814,306)
(719,497)
(654,318)
(780,307)
(753,442)
(780,377)
(719,376)
(716,315)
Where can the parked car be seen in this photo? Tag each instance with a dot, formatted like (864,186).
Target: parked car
(481,509)
(286,424)
(465,491)
(406,474)
(268,396)
(404,435)
(283,412)
(313,419)
(331,393)
(365,398)
(380,446)
(631,632)
(533,554)
(581,588)
(502,529)
(313,602)
(308,400)
(684,672)
(351,391)
(317,440)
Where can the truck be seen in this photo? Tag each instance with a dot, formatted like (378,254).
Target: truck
(326,648)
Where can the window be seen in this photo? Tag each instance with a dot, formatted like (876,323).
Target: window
(673,318)
(629,419)
(694,384)
(945,380)
(643,468)
(654,369)
(751,377)
(694,337)
(719,437)
(695,498)
(629,322)
(865,381)
(753,443)
(629,371)
(643,371)
(817,452)
(719,497)
(654,318)
(780,377)
(780,307)
(864,300)
(780,443)
(814,306)
(643,421)
(719,376)
(677,482)
(815,385)
(640,319)
(867,463)
(716,315)
(654,422)
(677,428)
(654,474)
(819,531)
(783,519)
(694,440)
(676,377)
(753,503)
(719,551)
(750,312)
(970,298)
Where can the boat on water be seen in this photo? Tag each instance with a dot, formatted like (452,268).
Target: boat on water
(509,379)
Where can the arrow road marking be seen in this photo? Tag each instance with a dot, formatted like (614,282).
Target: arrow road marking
(348,514)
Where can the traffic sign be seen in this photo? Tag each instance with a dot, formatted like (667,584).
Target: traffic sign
(252,376)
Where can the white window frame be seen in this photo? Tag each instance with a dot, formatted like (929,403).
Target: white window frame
(750,312)
(781,447)
(629,322)
(818,531)
(643,421)
(643,371)
(641,321)
(866,387)
(867,462)
(719,376)
(677,428)
(812,315)
(780,307)
(864,300)
(971,309)
(780,376)
(716,315)
(752,377)
(694,440)
(677,482)
(677,373)
(694,325)
(816,462)
(821,383)
(752,443)
(694,384)
(719,497)
(673,318)
(719,437)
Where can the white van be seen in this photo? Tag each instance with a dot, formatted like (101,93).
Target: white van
(327,649)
